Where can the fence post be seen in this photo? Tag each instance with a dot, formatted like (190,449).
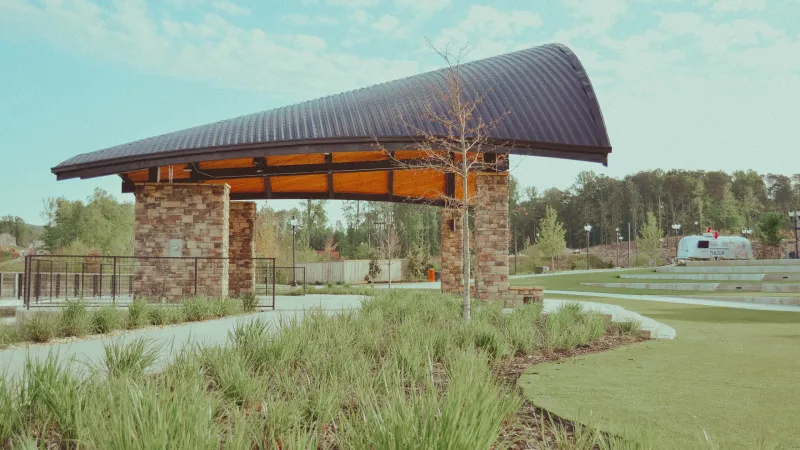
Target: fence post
(100,290)
(58,286)
(51,280)
(114,282)
(75,284)
(195,277)
(1,284)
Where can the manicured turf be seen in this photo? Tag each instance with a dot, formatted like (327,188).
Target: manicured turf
(732,373)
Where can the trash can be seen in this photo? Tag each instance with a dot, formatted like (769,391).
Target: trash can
(431,275)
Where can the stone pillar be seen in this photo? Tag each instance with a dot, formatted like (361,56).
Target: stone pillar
(241,270)
(188,223)
(491,236)
(451,274)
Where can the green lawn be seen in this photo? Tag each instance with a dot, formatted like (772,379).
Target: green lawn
(732,373)
(573,283)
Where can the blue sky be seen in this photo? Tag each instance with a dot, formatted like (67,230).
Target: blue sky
(695,84)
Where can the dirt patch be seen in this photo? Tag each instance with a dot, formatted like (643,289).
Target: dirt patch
(531,426)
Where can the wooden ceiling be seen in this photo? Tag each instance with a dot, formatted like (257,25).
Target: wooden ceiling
(347,176)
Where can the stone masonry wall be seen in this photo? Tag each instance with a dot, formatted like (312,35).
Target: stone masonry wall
(452,265)
(241,271)
(491,236)
(193,217)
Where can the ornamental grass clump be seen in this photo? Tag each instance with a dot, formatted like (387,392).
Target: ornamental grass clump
(74,319)
(106,319)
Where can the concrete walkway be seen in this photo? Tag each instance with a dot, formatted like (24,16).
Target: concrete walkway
(171,339)
(89,352)
(678,300)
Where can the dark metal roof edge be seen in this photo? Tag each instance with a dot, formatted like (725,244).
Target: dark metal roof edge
(138,162)
(588,89)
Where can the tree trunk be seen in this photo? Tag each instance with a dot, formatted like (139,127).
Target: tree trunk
(465,231)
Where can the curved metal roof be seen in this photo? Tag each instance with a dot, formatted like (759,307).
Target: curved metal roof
(551,111)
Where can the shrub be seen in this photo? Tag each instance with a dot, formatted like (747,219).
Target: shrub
(137,314)
(249,302)
(74,319)
(197,309)
(9,334)
(106,319)
(39,327)
(770,227)
(627,327)
(52,395)
(131,359)
(158,315)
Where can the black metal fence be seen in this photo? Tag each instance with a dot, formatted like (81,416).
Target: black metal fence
(290,280)
(50,280)
(11,285)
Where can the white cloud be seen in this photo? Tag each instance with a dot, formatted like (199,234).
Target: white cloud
(601,14)
(231,8)
(487,31)
(425,7)
(386,23)
(360,16)
(353,3)
(208,49)
(303,20)
(735,5)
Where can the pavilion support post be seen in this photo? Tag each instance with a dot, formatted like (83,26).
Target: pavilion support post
(452,273)
(491,236)
(175,223)
(241,247)
(491,245)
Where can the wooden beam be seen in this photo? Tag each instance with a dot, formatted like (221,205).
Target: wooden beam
(329,163)
(336,196)
(391,185)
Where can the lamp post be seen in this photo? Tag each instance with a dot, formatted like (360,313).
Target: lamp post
(618,236)
(696,223)
(588,228)
(293,222)
(796,216)
(676,227)
(747,232)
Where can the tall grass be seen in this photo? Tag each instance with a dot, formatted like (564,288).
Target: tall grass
(106,319)
(39,327)
(131,359)
(74,319)
(137,314)
(405,371)
(569,327)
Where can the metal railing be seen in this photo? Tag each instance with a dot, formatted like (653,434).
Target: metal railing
(11,285)
(287,282)
(49,280)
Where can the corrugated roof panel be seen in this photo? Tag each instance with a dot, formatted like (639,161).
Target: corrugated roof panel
(550,103)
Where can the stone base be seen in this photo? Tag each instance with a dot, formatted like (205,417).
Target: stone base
(516,296)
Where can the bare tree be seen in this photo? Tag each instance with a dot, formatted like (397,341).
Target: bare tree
(455,141)
(390,247)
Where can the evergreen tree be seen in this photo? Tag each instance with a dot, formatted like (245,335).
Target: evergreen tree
(650,235)
(551,239)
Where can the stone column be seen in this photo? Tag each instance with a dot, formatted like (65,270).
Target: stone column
(491,236)
(188,223)
(241,270)
(451,274)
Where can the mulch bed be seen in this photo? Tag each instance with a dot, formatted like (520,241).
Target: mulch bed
(530,427)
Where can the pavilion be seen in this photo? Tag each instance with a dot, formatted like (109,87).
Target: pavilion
(194,187)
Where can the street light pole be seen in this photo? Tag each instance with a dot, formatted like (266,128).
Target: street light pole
(629,244)
(588,228)
(294,262)
(796,216)
(676,227)
(617,246)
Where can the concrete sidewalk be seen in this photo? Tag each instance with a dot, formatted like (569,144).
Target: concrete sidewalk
(89,352)
(171,339)
(678,300)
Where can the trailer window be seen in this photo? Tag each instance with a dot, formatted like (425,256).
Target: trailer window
(702,244)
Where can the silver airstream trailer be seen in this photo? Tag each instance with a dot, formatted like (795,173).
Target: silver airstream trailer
(709,248)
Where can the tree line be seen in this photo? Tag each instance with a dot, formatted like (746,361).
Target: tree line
(726,202)
(729,202)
